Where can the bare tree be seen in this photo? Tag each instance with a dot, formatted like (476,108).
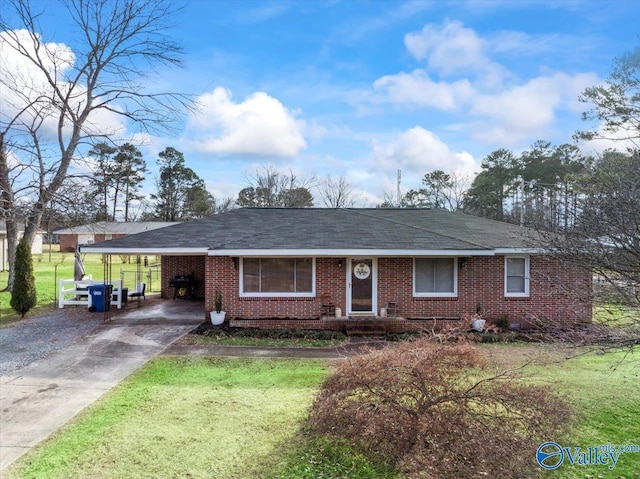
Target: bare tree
(336,192)
(270,189)
(223,205)
(441,190)
(606,235)
(56,101)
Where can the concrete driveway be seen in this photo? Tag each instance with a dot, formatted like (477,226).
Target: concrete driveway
(39,398)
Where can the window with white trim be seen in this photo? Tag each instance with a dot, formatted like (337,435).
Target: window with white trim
(277,277)
(435,277)
(516,276)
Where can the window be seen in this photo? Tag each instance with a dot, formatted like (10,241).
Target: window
(516,276)
(277,277)
(435,277)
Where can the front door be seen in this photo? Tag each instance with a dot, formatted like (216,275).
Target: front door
(362,285)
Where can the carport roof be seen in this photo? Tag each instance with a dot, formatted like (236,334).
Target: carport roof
(316,231)
(115,227)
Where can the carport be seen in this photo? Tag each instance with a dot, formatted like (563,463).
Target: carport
(173,263)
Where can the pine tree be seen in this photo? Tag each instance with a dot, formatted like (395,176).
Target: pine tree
(23,296)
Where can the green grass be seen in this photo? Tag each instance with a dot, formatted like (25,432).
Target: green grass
(329,458)
(241,418)
(196,418)
(616,315)
(604,392)
(48,271)
(605,396)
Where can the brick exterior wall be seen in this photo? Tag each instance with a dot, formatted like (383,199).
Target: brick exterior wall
(172,266)
(68,242)
(559,293)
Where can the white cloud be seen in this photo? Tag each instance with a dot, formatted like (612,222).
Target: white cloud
(448,48)
(461,78)
(22,84)
(418,151)
(620,140)
(417,88)
(259,126)
(528,109)
(452,50)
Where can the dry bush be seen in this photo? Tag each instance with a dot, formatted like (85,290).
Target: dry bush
(436,411)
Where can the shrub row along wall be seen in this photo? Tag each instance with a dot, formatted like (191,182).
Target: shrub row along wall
(558,292)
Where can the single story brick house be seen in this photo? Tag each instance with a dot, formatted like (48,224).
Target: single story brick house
(276,267)
(36,246)
(71,238)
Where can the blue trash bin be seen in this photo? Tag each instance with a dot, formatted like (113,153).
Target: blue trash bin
(100,297)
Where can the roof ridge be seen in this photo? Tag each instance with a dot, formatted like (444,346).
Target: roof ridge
(423,229)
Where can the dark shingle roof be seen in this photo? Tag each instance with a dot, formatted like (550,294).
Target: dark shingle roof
(327,229)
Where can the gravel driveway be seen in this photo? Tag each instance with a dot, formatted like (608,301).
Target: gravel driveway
(35,337)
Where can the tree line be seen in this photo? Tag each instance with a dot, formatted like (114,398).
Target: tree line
(111,190)
(544,187)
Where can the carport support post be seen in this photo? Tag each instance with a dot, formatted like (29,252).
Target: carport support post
(106,260)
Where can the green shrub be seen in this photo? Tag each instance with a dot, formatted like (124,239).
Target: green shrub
(23,294)
(272,333)
(437,411)
(503,323)
(406,336)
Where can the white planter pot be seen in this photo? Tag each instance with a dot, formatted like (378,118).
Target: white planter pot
(217,318)
(338,313)
(478,325)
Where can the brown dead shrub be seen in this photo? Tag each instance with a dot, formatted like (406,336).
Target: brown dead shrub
(438,411)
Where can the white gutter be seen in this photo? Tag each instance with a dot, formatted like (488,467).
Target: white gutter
(348,252)
(380,253)
(520,251)
(158,251)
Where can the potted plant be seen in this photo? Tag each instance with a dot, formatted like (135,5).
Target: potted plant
(478,323)
(217,316)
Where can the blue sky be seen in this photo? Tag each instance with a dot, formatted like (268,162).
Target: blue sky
(364,88)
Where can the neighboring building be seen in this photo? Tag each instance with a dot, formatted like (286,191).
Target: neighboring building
(36,247)
(93,233)
(274,266)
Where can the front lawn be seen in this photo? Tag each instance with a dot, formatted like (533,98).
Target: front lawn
(196,418)
(241,418)
(604,392)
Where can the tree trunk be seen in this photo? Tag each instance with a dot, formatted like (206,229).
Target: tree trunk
(12,244)
(7,213)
